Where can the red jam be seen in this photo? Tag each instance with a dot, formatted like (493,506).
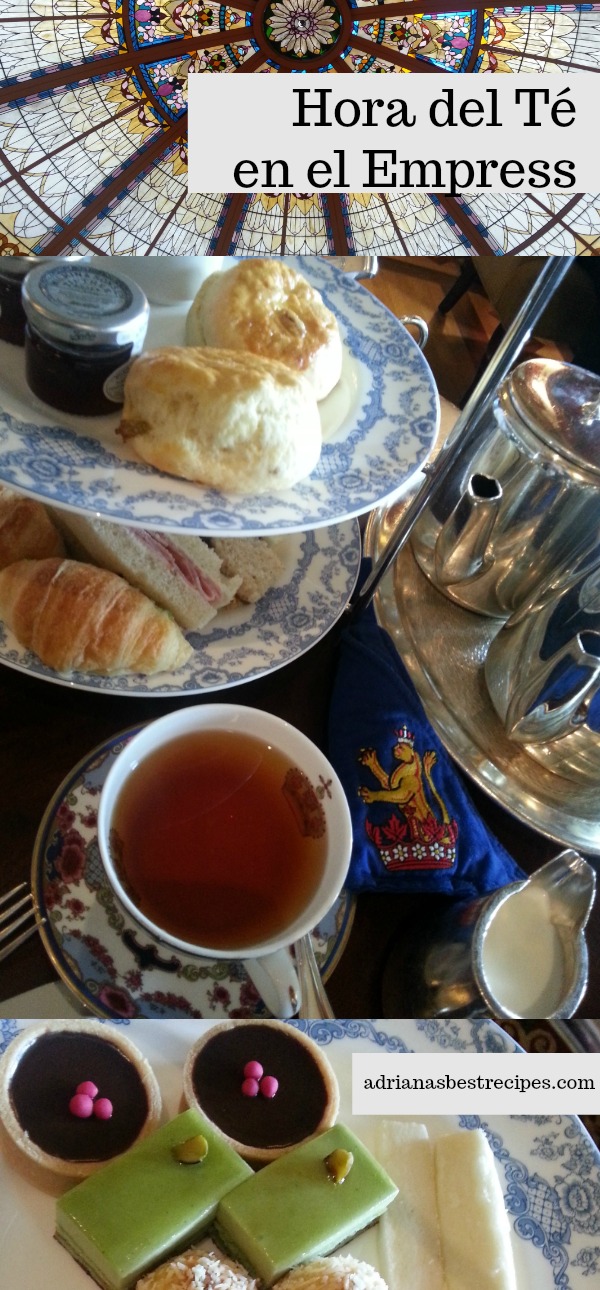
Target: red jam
(84,325)
(12,313)
(75,380)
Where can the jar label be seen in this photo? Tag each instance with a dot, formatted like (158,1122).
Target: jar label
(114,385)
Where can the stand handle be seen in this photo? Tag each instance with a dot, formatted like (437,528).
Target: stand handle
(469,421)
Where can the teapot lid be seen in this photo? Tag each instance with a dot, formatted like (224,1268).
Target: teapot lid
(560,404)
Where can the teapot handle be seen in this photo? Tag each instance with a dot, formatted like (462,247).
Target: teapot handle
(551,718)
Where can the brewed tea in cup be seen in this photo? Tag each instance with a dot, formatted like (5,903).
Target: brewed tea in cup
(225,832)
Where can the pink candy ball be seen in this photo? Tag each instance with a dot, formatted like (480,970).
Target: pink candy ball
(81,1105)
(253,1070)
(250,1088)
(269,1086)
(103,1108)
(88,1088)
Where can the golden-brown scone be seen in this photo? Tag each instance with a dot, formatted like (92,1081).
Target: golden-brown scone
(236,422)
(76,617)
(266,307)
(26,530)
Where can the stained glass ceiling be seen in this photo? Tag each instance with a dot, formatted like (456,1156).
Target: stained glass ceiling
(93,125)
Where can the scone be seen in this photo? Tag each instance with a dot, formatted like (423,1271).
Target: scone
(235,422)
(266,307)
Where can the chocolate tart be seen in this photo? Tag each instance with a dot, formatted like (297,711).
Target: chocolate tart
(39,1073)
(261,1128)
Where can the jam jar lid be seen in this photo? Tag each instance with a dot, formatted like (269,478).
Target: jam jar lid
(77,305)
(560,405)
(14,267)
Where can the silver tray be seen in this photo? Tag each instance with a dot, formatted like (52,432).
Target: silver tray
(443,648)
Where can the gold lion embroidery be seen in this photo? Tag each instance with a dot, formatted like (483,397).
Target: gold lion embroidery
(414,837)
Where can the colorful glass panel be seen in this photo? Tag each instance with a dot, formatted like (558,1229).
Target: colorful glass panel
(93,124)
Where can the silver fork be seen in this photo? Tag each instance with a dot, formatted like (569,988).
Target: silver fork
(18,912)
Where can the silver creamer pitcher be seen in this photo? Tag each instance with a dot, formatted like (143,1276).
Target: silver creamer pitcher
(520,512)
(518,952)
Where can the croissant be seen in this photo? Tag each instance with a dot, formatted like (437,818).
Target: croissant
(26,530)
(77,617)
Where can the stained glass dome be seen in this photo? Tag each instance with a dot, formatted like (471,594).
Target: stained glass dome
(93,129)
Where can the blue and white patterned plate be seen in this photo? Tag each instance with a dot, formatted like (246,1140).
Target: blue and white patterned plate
(548,1165)
(319,571)
(110,963)
(373,455)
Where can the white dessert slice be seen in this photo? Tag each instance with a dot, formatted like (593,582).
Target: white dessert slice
(409,1233)
(474,1225)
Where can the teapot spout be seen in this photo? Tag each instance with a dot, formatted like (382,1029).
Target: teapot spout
(461,549)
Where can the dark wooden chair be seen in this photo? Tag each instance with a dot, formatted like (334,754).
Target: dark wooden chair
(571,320)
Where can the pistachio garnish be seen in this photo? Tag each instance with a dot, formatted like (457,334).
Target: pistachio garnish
(191,1152)
(338,1164)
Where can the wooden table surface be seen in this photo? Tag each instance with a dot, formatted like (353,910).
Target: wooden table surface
(46,729)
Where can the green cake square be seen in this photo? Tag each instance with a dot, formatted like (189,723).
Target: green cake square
(140,1208)
(293,1211)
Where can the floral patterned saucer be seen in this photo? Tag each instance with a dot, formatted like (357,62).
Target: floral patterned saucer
(110,962)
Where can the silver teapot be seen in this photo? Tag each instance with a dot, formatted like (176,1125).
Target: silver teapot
(520,512)
(542,672)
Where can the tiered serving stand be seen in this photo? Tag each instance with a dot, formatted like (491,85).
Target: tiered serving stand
(389,418)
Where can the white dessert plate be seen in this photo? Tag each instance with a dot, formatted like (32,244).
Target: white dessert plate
(319,572)
(548,1166)
(380,425)
(109,962)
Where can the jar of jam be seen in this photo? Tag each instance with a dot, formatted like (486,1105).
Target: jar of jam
(13,269)
(84,328)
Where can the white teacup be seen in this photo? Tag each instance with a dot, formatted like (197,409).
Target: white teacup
(267,960)
(165,279)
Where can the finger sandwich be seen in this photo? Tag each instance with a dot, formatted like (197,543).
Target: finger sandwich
(180,572)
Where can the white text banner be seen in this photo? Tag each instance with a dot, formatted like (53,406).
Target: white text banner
(332,134)
(476,1083)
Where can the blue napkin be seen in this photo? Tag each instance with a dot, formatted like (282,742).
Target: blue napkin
(415,827)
